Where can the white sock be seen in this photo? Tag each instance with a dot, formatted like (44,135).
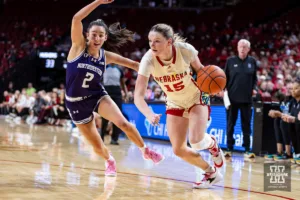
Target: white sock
(143,148)
(212,144)
(110,158)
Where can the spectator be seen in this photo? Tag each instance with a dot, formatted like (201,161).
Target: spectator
(281,128)
(30,90)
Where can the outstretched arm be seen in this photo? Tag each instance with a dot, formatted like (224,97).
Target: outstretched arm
(78,40)
(120,60)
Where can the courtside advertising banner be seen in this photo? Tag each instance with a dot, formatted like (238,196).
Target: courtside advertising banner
(216,126)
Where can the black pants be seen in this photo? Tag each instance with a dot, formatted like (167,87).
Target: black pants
(294,130)
(232,115)
(116,96)
(281,132)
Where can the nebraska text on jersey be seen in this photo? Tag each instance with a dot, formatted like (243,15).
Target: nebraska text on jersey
(171,78)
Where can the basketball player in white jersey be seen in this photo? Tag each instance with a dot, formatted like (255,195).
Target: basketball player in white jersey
(169,61)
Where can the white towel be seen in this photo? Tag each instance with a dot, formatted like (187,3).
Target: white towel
(226,100)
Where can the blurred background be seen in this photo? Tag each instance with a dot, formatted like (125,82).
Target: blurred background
(35,39)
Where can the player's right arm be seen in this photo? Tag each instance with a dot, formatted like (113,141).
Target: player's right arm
(140,91)
(78,40)
(139,94)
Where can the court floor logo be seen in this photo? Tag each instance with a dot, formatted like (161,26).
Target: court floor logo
(277,177)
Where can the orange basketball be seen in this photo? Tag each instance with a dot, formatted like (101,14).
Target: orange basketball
(211,79)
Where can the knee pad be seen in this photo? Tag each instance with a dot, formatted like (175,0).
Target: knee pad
(205,143)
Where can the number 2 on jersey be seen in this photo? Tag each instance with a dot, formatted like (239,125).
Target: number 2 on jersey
(89,76)
(177,86)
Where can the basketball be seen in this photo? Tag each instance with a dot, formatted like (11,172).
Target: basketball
(211,79)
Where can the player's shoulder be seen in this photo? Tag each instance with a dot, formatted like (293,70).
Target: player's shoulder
(183,45)
(148,55)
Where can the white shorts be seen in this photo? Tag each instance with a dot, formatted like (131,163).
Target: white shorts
(183,110)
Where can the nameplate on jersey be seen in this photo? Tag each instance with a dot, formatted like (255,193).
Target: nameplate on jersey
(171,78)
(90,67)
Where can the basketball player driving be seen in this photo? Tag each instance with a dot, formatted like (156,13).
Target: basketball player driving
(168,60)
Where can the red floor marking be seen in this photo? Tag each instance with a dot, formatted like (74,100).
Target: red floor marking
(171,179)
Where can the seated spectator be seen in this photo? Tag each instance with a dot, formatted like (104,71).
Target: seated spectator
(39,104)
(281,128)
(292,119)
(264,94)
(4,108)
(158,94)
(30,90)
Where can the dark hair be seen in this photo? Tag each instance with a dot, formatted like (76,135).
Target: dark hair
(116,36)
(168,32)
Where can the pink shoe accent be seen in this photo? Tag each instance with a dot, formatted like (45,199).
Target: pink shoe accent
(111,169)
(152,155)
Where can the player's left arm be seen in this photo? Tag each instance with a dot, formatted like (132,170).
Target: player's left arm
(196,64)
(120,60)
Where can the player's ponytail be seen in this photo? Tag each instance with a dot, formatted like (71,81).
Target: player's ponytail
(116,36)
(168,32)
(178,38)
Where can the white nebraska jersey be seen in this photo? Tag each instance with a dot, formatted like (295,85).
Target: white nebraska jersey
(174,76)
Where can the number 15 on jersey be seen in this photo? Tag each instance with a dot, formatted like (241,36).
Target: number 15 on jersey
(175,87)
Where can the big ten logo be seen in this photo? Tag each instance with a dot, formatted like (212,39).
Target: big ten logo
(158,130)
(277,174)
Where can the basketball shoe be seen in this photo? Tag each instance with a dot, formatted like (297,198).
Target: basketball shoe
(149,154)
(217,154)
(249,154)
(110,167)
(209,179)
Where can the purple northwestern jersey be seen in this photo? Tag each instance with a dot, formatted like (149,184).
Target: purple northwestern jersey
(83,88)
(84,75)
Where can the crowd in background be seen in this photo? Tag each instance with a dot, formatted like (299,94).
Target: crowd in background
(275,45)
(35,107)
(278,58)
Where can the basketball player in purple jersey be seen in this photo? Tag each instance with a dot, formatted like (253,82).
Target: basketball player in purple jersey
(84,92)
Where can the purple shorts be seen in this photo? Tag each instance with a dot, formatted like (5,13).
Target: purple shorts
(81,108)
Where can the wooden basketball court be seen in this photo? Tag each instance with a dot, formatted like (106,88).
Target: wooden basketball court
(46,162)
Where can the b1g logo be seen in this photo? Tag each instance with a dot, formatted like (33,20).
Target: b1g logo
(277,177)
(277,174)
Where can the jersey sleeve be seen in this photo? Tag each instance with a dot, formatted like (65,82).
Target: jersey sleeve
(146,66)
(188,51)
